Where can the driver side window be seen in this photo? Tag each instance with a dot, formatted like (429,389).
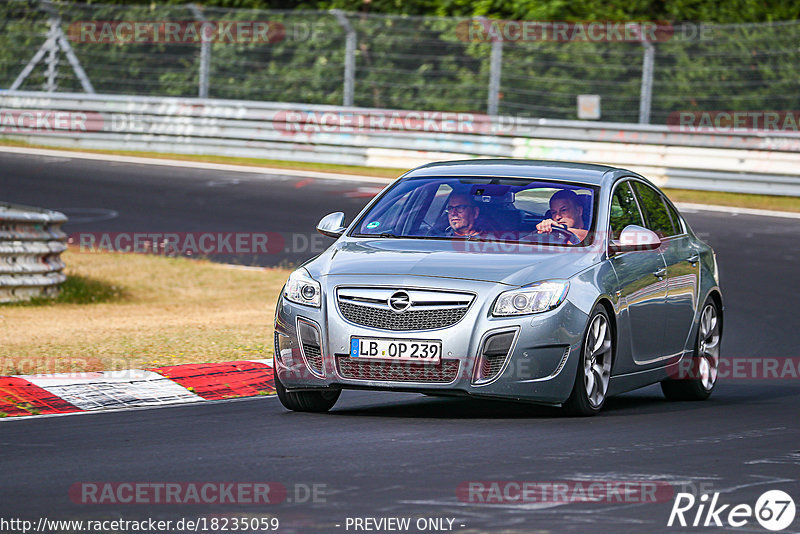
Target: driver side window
(624,210)
(435,211)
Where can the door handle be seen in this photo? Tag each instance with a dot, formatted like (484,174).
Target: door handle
(660,273)
(693,259)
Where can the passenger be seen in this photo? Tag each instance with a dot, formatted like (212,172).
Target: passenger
(462,214)
(566,210)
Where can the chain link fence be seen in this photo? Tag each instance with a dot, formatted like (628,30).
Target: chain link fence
(380,61)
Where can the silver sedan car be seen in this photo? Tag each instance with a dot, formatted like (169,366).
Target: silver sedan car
(545,282)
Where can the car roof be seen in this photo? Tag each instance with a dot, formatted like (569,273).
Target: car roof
(584,173)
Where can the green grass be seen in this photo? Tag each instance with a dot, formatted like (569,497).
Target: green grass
(78,289)
(739,200)
(134,311)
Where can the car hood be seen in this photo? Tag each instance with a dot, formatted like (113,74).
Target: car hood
(485,261)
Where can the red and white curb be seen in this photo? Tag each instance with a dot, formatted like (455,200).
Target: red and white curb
(158,386)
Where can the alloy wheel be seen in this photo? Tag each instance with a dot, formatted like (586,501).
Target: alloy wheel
(708,347)
(597,360)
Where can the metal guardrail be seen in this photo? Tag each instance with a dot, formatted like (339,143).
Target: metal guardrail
(760,162)
(31,243)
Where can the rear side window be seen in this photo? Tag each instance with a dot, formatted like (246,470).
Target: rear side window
(655,211)
(676,219)
(624,210)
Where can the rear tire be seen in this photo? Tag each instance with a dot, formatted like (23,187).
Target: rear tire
(702,377)
(594,368)
(306,401)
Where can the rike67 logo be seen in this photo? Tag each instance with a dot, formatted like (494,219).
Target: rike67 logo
(774,510)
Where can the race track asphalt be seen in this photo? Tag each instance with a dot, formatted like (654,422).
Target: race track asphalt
(404,455)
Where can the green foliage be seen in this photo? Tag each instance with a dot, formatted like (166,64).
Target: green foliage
(707,11)
(410,62)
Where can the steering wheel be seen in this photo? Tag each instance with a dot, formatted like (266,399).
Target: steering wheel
(565,235)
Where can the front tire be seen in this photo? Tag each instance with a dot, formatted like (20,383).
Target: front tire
(702,377)
(306,401)
(594,368)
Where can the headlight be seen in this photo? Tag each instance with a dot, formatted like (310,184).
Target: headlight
(303,289)
(535,298)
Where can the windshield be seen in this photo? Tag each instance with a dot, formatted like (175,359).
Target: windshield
(506,209)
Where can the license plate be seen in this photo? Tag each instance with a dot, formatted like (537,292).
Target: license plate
(401,350)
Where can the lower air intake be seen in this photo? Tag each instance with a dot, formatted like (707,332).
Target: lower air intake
(357,369)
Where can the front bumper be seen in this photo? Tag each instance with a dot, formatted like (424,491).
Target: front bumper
(539,367)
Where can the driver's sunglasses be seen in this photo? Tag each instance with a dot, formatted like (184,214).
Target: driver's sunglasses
(460,209)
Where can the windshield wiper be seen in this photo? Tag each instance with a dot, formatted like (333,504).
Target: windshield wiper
(387,234)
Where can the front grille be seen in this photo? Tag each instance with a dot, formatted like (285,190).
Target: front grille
(427,309)
(408,320)
(313,357)
(355,368)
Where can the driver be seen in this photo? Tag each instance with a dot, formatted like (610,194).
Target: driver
(462,212)
(566,210)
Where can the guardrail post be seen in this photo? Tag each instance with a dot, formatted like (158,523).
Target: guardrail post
(205,52)
(495,71)
(646,96)
(349,57)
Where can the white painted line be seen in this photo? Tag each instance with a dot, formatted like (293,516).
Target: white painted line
(196,165)
(791,458)
(767,480)
(237,267)
(267,361)
(530,506)
(67,379)
(736,211)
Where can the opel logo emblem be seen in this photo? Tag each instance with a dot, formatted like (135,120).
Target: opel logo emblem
(399,301)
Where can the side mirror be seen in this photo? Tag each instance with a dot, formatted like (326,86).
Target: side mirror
(332,225)
(634,237)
